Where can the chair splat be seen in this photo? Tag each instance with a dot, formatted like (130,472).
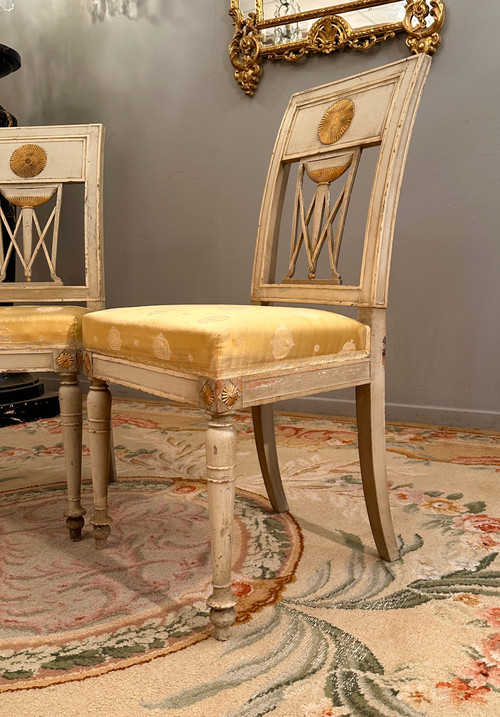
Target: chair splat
(314,227)
(28,225)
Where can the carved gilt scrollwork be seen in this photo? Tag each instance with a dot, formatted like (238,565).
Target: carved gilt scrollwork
(422,37)
(421,19)
(244,51)
(328,35)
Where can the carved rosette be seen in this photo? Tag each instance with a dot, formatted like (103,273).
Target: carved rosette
(422,37)
(207,394)
(219,396)
(28,160)
(336,121)
(244,51)
(229,394)
(66,360)
(87,363)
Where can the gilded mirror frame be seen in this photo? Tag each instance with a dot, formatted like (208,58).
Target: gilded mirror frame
(422,20)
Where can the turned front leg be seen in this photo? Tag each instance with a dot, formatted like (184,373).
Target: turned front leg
(99,417)
(221,473)
(70,402)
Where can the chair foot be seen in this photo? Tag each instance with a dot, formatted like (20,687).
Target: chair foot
(101,534)
(75,525)
(222,619)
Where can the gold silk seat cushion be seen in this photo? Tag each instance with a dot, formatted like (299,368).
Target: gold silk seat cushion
(220,341)
(41,326)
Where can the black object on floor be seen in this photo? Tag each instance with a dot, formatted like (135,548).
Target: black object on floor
(22,398)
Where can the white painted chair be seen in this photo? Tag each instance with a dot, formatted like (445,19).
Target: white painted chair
(224,358)
(42,329)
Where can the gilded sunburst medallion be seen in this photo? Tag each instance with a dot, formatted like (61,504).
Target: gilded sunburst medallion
(336,120)
(87,363)
(207,393)
(28,160)
(65,359)
(229,394)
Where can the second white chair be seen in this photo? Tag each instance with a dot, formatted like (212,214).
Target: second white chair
(42,330)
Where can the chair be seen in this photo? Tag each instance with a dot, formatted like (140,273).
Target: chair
(44,333)
(224,358)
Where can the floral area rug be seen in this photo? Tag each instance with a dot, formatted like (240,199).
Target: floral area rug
(324,627)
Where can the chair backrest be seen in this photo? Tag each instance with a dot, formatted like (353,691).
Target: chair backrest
(35,165)
(323,135)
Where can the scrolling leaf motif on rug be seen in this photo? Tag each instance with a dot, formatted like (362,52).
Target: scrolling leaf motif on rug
(352,636)
(354,679)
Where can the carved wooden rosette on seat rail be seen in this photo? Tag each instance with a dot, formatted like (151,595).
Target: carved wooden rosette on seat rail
(422,20)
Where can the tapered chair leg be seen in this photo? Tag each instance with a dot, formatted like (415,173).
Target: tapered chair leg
(221,473)
(70,402)
(99,418)
(370,411)
(265,440)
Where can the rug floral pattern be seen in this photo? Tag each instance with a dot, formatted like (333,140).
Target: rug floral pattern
(144,596)
(348,635)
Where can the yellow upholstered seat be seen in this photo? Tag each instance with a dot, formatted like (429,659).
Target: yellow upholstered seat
(37,326)
(219,341)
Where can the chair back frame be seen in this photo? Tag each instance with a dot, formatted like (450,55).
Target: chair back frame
(326,130)
(35,164)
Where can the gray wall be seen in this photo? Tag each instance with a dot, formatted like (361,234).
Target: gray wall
(187,154)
